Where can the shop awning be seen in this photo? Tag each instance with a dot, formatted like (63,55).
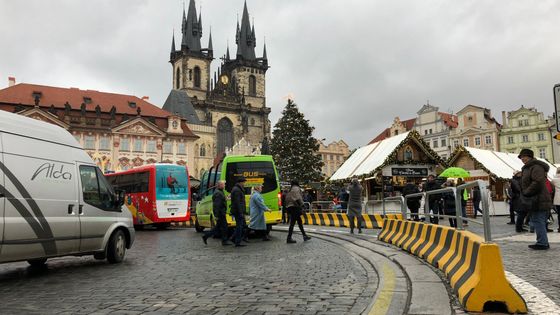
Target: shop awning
(370,158)
(498,164)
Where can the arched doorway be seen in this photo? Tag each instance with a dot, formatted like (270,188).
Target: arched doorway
(225,135)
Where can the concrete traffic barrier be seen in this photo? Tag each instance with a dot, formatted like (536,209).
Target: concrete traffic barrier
(474,268)
(371,221)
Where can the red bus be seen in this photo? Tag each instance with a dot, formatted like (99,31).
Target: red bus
(155,194)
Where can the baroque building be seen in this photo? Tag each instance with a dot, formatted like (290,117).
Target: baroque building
(333,156)
(476,128)
(227,106)
(118,131)
(526,128)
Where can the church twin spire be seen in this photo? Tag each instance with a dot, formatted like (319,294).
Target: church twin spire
(191,29)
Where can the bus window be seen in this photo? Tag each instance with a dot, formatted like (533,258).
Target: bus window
(255,172)
(203,184)
(171,182)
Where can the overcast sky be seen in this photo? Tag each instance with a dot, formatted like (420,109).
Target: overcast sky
(351,65)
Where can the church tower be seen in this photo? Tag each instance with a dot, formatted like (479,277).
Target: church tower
(247,71)
(191,63)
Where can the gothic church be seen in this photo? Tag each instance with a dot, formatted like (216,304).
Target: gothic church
(224,107)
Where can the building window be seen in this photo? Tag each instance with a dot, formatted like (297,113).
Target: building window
(425,132)
(408,154)
(455,143)
(477,141)
(510,139)
(542,153)
(526,122)
(89,142)
(443,142)
(525,138)
(104,143)
(252,85)
(465,142)
(138,145)
(178,79)
(181,148)
(541,136)
(203,150)
(430,130)
(125,144)
(167,147)
(196,77)
(151,146)
(488,139)
(78,138)
(435,143)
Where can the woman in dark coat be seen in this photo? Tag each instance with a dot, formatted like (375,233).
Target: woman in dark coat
(449,203)
(412,203)
(355,204)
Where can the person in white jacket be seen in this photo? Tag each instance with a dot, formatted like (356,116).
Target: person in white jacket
(556,200)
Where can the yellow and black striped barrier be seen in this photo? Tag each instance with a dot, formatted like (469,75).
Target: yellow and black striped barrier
(474,268)
(371,221)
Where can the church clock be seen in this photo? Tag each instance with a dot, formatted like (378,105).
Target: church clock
(224,79)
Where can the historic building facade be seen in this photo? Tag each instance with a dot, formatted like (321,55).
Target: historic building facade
(227,106)
(332,155)
(118,131)
(526,128)
(434,128)
(475,128)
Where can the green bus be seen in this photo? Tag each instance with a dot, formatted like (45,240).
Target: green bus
(257,169)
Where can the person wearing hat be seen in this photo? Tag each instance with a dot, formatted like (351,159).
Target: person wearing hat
(238,208)
(294,202)
(535,197)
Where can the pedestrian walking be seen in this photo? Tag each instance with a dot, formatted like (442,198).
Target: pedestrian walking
(285,217)
(219,206)
(464,198)
(434,201)
(355,204)
(520,212)
(556,199)
(449,203)
(476,199)
(238,208)
(535,196)
(294,202)
(257,209)
(413,203)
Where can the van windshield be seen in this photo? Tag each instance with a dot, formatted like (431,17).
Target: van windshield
(171,182)
(255,172)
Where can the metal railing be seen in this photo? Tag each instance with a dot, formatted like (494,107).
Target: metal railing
(458,206)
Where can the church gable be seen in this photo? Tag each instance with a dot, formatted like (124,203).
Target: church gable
(139,126)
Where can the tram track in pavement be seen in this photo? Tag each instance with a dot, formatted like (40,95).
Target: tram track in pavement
(405,285)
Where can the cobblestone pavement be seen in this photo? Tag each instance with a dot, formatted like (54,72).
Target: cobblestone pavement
(172,271)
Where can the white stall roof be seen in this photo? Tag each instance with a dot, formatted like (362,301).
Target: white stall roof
(366,159)
(502,164)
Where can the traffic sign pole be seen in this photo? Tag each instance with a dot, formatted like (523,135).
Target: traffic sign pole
(556,91)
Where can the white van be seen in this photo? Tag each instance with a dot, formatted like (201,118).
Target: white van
(54,201)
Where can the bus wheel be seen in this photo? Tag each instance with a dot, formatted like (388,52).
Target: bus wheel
(116,247)
(197,226)
(39,262)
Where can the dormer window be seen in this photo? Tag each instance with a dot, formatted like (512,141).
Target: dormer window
(132,104)
(87,100)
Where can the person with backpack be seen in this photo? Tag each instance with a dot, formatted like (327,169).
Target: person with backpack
(535,196)
(294,202)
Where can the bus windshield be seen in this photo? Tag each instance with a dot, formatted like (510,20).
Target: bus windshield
(171,182)
(261,172)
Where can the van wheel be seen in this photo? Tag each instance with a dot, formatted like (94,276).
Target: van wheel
(116,247)
(197,226)
(39,262)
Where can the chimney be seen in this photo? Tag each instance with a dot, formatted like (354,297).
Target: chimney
(504,122)
(145,98)
(11,81)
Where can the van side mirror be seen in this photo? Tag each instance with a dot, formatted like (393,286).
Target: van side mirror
(119,198)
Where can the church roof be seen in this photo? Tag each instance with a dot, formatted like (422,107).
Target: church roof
(245,37)
(191,29)
(179,103)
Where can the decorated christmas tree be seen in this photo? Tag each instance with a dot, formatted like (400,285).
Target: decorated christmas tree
(294,148)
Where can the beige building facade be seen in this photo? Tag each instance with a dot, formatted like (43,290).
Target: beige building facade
(333,156)
(475,128)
